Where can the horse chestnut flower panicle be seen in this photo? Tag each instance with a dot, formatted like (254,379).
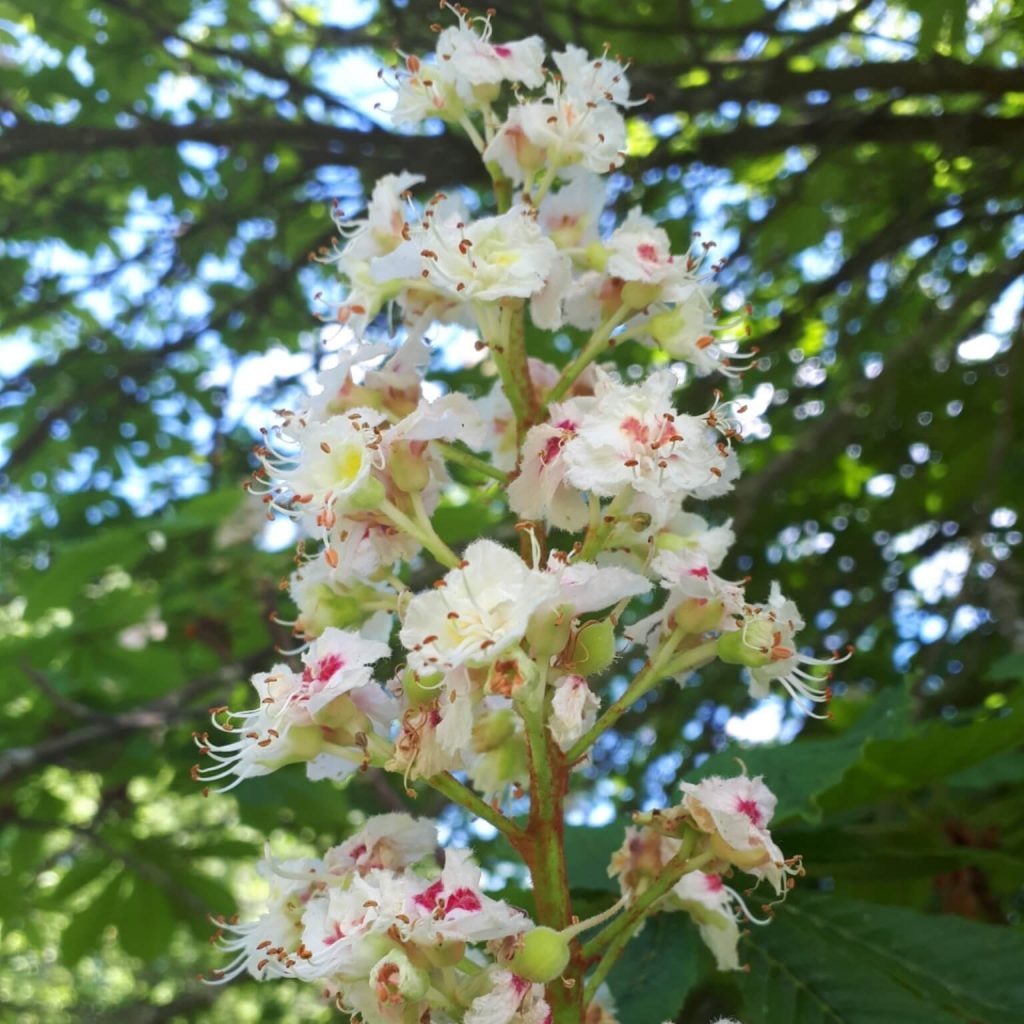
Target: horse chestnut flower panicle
(477,670)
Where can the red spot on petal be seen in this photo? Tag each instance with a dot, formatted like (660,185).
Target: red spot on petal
(326,667)
(429,897)
(750,809)
(462,899)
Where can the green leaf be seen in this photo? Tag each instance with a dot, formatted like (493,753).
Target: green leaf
(657,970)
(588,852)
(931,752)
(85,928)
(144,917)
(828,960)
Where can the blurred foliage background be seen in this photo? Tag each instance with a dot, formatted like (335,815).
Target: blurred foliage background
(166,167)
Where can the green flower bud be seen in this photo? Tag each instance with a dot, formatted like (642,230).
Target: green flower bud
(369,496)
(672,542)
(492,730)
(696,616)
(751,646)
(663,326)
(597,256)
(420,690)
(408,468)
(396,975)
(302,743)
(543,956)
(594,650)
(638,294)
(742,859)
(548,632)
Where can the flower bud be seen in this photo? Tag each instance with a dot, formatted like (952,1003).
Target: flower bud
(638,294)
(396,979)
(408,467)
(597,256)
(594,649)
(696,615)
(301,743)
(751,646)
(663,326)
(548,631)
(543,956)
(369,495)
(492,730)
(420,690)
(742,859)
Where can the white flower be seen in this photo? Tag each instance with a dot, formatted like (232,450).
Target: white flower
(510,1000)
(506,256)
(448,418)
(718,911)
(479,611)
(766,643)
(262,948)
(540,491)
(337,390)
(389,841)
(632,436)
(736,813)
(570,216)
(475,61)
(314,717)
(381,230)
(596,77)
(586,587)
(639,250)
(425,90)
(573,710)
(570,128)
(322,468)
(455,908)
(336,663)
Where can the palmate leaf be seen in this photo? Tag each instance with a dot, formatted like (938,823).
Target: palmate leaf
(883,754)
(659,967)
(824,959)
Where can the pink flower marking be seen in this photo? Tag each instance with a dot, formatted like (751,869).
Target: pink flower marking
(429,897)
(521,985)
(714,883)
(462,899)
(326,667)
(647,252)
(632,427)
(551,450)
(750,809)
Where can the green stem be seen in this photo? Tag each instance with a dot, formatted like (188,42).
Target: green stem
(509,355)
(602,521)
(649,676)
(452,453)
(459,793)
(545,184)
(502,188)
(544,851)
(421,531)
(596,344)
(616,936)
(474,136)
